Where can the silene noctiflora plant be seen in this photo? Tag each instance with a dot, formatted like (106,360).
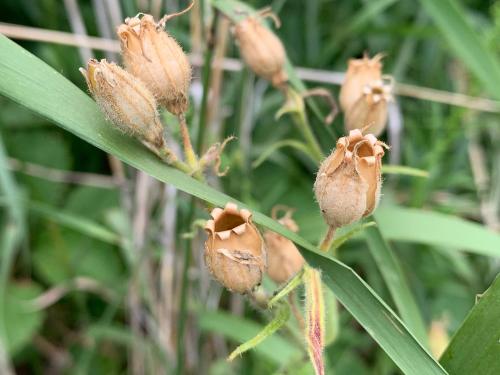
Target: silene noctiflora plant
(365,94)
(348,182)
(234,250)
(261,49)
(124,100)
(157,75)
(155,57)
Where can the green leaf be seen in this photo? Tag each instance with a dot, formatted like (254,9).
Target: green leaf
(450,18)
(22,323)
(404,170)
(394,277)
(436,229)
(77,223)
(475,348)
(274,348)
(32,83)
(279,320)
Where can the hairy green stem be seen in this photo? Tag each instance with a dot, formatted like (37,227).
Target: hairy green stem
(302,123)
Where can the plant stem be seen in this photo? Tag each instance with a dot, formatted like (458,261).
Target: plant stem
(169,157)
(191,158)
(328,239)
(207,73)
(304,127)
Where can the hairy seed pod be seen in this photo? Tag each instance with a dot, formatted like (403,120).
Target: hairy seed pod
(234,251)
(125,100)
(152,55)
(369,112)
(348,183)
(360,72)
(261,49)
(283,258)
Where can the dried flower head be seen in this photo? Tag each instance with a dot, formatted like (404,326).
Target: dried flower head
(152,55)
(234,250)
(348,183)
(125,100)
(283,258)
(360,72)
(261,49)
(370,110)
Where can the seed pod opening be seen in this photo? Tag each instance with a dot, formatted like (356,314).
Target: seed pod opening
(369,112)
(360,73)
(234,250)
(152,55)
(283,258)
(261,49)
(348,182)
(125,100)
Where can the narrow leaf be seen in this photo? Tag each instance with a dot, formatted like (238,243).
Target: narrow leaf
(475,348)
(281,317)
(436,229)
(394,277)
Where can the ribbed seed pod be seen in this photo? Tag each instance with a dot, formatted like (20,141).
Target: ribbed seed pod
(360,72)
(261,49)
(348,183)
(283,258)
(125,100)
(369,112)
(152,55)
(234,250)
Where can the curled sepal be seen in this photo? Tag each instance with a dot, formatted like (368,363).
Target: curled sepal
(315,318)
(328,97)
(279,320)
(213,156)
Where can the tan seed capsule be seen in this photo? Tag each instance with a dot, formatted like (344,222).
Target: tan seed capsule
(360,72)
(283,258)
(234,251)
(125,100)
(438,337)
(369,112)
(261,49)
(348,183)
(151,54)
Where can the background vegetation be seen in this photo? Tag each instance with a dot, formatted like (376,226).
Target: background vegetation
(101,265)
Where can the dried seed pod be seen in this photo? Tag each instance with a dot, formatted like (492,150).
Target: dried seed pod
(360,72)
(348,183)
(438,337)
(283,258)
(152,55)
(261,49)
(369,112)
(234,251)
(125,100)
